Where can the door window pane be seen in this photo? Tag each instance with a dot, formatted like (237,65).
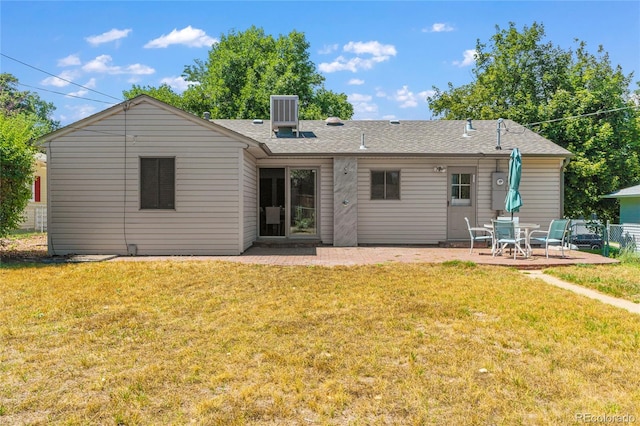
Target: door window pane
(461,189)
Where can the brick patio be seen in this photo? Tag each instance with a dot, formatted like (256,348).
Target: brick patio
(336,256)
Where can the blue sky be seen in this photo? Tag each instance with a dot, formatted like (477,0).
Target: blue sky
(386,56)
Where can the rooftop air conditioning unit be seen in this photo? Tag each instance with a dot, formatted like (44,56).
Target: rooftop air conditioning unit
(284,112)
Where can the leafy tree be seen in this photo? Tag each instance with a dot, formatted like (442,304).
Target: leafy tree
(245,68)
(163,93)
(566,93)
(24,117)
(13,101)
(16,167)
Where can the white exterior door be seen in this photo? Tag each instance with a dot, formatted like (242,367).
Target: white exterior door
(461,201)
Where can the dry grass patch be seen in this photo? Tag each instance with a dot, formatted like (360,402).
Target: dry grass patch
(619,280)
(225,343)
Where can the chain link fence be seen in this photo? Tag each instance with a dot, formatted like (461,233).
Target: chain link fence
(626,235)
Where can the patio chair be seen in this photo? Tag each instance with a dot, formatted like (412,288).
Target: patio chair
(558,233)
(273,218)
(475,236)
(505,234)
(515,220)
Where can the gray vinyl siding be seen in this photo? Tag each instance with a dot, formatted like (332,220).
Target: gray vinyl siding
(420,216)
(325,169)
(541,191)
(94,194)
(250,201)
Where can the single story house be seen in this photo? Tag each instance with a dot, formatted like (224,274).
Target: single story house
(629,199)
(144,177)
(35,214)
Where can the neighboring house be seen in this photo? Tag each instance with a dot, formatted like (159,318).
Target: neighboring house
(629,199)
(144,177)
(35,214)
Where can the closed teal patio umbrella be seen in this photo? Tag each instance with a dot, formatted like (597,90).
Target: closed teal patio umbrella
(513,201)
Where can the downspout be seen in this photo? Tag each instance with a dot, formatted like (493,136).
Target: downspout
(125,108)
(50,247)
(241,215)
(563,166)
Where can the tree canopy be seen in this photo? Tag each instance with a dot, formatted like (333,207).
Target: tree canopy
(574,98)
(14,101)
(16,168)
(244,69)
(23,118)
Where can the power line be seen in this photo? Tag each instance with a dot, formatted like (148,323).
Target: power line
(65,94)
(60,78)
(580,116)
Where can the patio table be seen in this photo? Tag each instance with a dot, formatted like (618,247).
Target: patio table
(526,228)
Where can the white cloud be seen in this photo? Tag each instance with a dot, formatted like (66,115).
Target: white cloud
(340,64)
(438,27)
(357,97)
(355,82)
(363,108)
(192,37)
(407,99)
(102,64)
(137,69)
(59,81)
(378,53)
(373,48)
(328,48)
(83,92)
(107,37)
(79,94)
(91,84)
(77,112)
(69,61)
(469,58)
(179,84)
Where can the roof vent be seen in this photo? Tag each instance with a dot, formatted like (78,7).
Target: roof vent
(284,112)
(333,121)
(394,121)
(257,121)
(207,115)
(469,125)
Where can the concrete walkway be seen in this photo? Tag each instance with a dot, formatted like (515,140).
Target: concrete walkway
(592,294)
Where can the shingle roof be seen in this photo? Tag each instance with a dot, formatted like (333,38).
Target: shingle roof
(434,138)
(632,191)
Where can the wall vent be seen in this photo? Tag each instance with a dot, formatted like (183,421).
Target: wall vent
(284,112)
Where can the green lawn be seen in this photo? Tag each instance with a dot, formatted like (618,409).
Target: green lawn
(225,343)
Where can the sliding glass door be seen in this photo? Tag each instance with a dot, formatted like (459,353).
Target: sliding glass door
(302,201)
(288,202)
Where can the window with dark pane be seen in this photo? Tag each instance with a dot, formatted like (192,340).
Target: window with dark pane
(385,184)
(157,183)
